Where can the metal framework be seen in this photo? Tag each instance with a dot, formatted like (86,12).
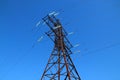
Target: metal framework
(60,65)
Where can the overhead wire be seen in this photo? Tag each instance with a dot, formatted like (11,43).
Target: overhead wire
(88,53)
(24,55)
(101,49)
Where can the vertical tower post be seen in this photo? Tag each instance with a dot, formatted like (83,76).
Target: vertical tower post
(60,65)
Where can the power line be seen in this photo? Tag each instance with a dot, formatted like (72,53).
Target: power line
(85,54)
(101,49)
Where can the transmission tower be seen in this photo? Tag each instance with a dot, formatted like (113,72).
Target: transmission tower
(60,65)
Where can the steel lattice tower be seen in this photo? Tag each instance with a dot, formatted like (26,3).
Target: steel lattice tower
(60,65)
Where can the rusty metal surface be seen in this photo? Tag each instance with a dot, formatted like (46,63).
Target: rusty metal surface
(60,65)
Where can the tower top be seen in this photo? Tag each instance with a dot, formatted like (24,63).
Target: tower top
(60,65)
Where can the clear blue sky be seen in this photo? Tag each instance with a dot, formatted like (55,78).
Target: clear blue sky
(96,24)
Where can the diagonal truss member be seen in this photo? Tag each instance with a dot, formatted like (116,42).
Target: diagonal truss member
(60,65)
